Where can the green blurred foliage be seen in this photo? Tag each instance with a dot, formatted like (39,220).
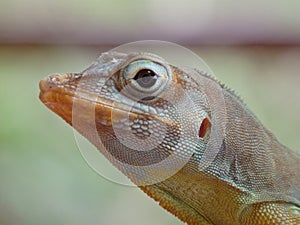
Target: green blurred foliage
(44,179)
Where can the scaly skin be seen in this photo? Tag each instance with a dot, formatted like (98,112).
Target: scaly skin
(251,179)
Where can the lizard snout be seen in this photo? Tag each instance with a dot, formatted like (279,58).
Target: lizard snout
(53,81)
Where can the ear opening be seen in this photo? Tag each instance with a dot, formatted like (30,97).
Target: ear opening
(204,127)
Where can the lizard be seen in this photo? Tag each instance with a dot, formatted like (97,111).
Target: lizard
(234,172)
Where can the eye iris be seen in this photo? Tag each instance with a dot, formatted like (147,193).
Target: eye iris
(146,78)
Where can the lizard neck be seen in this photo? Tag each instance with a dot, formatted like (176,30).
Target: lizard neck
(252,166)
(252,158)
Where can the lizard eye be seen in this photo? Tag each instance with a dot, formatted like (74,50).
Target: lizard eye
(145,79)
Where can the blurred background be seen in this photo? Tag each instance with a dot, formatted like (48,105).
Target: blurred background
(252,46)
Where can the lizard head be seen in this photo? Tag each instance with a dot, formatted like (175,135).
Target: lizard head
(148,117)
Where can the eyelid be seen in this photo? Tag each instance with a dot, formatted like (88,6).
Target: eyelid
(134,67)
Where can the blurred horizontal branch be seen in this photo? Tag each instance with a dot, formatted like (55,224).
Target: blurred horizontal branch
(117,21)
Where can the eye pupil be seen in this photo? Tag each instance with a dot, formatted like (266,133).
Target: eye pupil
(146,78)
